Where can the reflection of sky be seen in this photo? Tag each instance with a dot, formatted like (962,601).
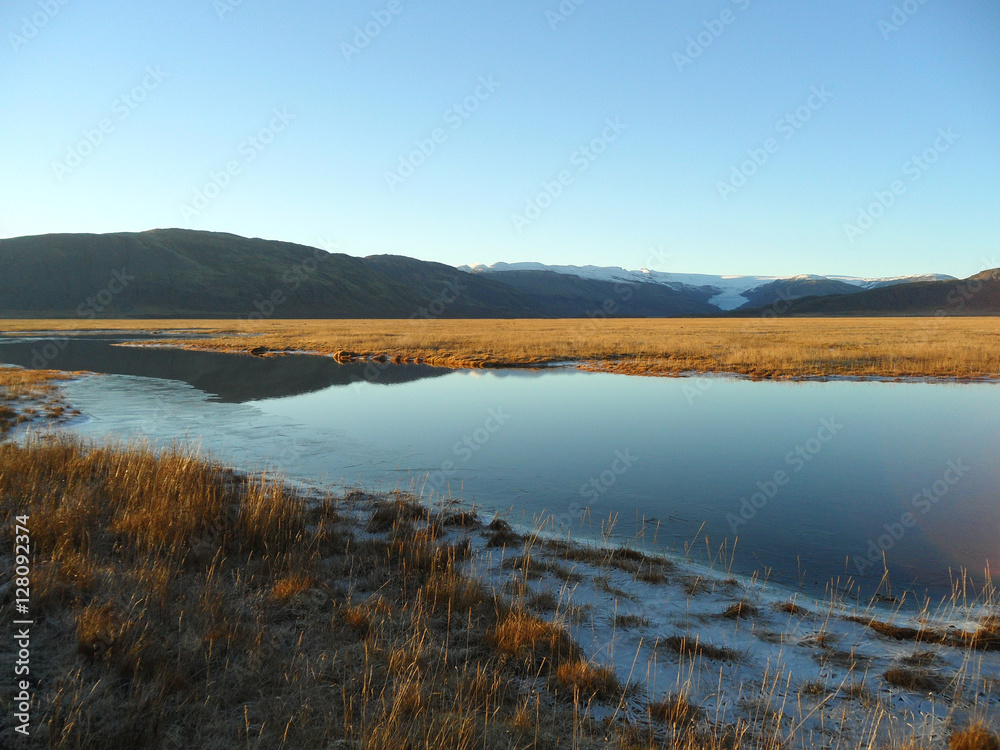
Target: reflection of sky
(698,455)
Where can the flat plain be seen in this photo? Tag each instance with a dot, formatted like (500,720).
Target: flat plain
(937,347)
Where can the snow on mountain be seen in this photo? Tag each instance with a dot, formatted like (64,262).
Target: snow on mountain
(890,280)
(728,290)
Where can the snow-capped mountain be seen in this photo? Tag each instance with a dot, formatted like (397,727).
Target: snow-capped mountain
(727,292)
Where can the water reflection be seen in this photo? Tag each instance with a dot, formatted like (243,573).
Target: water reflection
(816,480)
(231,378)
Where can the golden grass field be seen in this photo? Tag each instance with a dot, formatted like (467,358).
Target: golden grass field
(947,347)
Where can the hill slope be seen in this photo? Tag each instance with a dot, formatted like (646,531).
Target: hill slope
(976,295)
(176,273)
(168,273)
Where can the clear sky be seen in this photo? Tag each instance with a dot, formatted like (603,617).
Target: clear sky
(745,136)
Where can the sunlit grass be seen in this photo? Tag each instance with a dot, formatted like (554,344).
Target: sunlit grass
(757,347)
(26,395)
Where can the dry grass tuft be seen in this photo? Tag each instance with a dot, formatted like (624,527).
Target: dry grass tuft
(631,621)
(920,659)
(792,608)
(915,680)
(523,635)
(693,647)
(589,681)
(286,589)
(815,688)
(451,592)
(388,515)
(740,610)
(976,737)
(677,711)
(532,567)
(502,535)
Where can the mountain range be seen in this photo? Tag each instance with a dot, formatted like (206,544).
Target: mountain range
(184,273)
(724,293)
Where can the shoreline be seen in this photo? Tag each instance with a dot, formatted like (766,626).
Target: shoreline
(952,349)
(607,368)
(739,650)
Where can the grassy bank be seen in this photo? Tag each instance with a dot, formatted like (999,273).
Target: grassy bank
(179,604)
(30,395)
(758,347)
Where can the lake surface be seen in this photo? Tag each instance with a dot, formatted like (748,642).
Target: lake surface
(816,479)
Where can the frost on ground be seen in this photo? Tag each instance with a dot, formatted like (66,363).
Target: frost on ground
(726,650)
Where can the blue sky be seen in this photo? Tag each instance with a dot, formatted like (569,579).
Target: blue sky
(746,137)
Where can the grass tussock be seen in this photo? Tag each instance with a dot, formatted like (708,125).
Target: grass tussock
(915,680)
(676,711)
(539,643)
(739,611)
(694,647)
(502,535)
(792,608)
(631,621)
(642,567)
(533,567)
(756,347)
(985,638)
(976,737)
(590,682)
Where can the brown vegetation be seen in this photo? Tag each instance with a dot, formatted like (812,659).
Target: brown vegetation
(676,710)
(915,680)
(180,604)
(693,647)
(26,395)
(757,347)
(976,737)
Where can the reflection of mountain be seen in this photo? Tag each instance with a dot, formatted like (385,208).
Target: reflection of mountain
(230,377)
